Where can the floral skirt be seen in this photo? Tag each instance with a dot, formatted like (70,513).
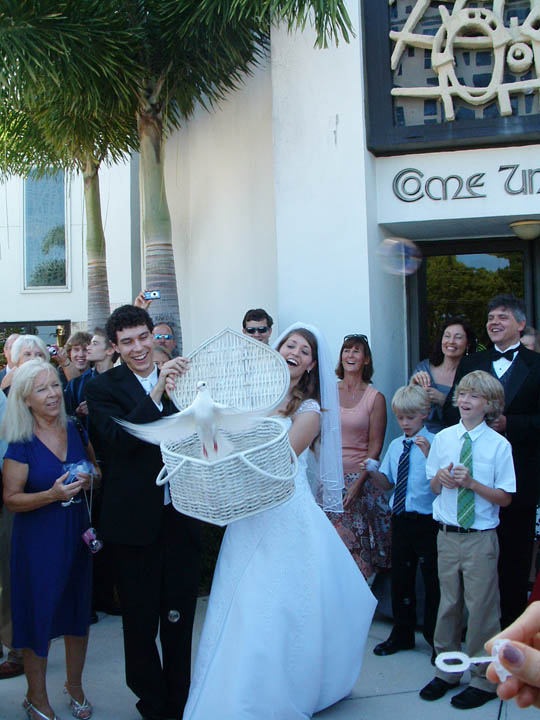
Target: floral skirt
(365,528)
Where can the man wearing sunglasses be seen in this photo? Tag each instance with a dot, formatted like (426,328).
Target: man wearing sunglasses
(257,323)
(164,336)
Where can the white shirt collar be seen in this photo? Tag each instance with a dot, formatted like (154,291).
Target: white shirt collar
(512,347)
(474,433)
(150,381)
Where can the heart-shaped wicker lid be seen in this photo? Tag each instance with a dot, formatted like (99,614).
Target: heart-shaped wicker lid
(240,372)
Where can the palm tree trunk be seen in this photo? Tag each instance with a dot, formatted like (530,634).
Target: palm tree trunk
(156,223)
(98,288)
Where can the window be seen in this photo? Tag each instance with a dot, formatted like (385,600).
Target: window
(45,263)
(458,278)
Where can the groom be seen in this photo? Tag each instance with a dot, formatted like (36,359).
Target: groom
(156,549)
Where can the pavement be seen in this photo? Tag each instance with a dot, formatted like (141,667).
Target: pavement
(387,688)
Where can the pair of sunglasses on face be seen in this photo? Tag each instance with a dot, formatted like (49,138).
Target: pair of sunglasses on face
(159,336)
(260,330)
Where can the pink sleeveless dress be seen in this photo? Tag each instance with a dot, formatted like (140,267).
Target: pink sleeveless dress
(364,527)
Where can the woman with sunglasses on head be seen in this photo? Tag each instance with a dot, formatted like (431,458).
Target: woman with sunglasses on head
(436,373)
(289,612)
(364,526)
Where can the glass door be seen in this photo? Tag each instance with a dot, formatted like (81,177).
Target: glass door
(458,278)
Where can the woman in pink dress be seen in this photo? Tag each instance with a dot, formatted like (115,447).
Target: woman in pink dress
(364,525)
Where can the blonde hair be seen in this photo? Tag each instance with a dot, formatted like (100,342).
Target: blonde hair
(411,399)
(28,340)
(18,422)
(488,387)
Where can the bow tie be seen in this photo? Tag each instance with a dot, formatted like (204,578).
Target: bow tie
(508,355)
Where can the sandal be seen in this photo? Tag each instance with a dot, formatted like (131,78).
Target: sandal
(33,713)
(81,711)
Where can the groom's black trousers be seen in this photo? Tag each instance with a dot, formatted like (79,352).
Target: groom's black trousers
(157,585)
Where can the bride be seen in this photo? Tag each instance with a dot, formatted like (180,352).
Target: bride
(289,611)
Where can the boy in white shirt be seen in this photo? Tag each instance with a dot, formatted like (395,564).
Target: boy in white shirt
(471,471)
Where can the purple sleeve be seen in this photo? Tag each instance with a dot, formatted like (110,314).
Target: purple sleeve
(17,451)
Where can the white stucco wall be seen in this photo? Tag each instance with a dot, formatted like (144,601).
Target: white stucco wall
(326,210)
(220,192)
(22,305)
(115,192)
(273,204)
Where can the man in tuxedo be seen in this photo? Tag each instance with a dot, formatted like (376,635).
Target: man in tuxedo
(518,369)
(156,549)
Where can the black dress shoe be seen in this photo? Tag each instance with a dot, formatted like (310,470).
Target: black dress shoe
(436,689)
(393,645)
(472,697)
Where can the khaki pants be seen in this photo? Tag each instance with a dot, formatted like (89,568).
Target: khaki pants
(468,576)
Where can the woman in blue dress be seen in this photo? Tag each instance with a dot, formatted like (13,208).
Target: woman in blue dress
(50,562)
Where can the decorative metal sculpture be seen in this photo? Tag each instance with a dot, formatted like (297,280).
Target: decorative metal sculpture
(515,49)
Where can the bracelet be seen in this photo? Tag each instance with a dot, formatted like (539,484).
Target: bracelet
(67,364)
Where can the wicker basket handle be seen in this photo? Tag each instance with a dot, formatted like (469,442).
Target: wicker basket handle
(294,462)
(162,478)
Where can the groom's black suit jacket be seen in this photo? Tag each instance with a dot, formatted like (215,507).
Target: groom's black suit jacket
(516,529)
(156,548)
(132,508)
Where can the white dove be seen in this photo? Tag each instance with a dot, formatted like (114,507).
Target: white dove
(204,417)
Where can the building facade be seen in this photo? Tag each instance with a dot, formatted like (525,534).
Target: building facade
(423,126)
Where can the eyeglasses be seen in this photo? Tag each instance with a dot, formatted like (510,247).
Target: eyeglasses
(159,336)
(260,330)
(355,336)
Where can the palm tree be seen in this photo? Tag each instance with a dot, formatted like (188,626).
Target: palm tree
(187,53)
(55,120)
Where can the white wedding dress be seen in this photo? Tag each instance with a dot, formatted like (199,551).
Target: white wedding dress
(287,619)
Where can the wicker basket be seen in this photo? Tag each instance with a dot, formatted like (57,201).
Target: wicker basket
(239,371)
(236,486)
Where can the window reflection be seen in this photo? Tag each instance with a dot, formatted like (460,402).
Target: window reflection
(44,232)
(463,284)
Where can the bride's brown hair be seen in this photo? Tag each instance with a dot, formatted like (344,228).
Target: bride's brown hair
(308,386)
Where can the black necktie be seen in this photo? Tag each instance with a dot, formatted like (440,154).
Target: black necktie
(400,493)
(508,355)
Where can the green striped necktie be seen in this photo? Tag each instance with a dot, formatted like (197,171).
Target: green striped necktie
(465,499)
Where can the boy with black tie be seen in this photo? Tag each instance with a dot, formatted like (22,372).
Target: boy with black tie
(414,533)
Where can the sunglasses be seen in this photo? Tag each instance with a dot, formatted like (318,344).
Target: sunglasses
(355,336)
(159,336)
(261,330)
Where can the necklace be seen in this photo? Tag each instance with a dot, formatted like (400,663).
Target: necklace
(350,396)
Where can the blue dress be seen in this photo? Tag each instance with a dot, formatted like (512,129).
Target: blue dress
(434,421)
(51,570)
